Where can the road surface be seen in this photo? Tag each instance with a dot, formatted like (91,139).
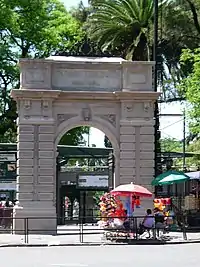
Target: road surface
(104,256)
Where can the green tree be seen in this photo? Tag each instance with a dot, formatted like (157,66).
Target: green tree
(190,87)
(31,29)
(180,16)
(170,145)
(75,136)
(126,28)
(123,24)
(107,142)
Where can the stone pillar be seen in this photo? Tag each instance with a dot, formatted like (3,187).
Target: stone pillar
(147,155)
(36,174)
(137,145)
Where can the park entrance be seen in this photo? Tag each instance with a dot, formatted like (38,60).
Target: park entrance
(61,93)
(83,174)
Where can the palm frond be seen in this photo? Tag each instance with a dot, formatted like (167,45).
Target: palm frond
(120,22)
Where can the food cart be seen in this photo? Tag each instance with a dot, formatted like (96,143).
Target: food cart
(116,216)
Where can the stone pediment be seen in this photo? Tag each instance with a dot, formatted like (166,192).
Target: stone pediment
(86,74)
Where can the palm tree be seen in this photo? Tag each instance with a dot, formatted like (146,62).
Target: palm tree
(124,25)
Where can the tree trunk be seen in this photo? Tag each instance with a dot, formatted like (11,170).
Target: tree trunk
(141,53)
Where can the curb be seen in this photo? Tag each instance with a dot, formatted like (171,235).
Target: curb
(136,242)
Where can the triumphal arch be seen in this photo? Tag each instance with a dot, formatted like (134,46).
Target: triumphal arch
(60,93)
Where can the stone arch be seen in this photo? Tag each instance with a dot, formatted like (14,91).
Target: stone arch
(98,123)
(111,94)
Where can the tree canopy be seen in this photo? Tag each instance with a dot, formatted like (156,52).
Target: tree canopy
(190,86)
(39,28)
(31,29)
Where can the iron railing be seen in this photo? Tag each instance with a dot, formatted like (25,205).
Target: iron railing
(82,232)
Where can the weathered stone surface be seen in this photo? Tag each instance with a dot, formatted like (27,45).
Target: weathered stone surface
(127,138)
(147,163)
(45,179)
(46,154)
(25,145)
(147,138)
(47,188)
(127,179)
(58,95)
(46,171)
(27,197)
(147,146)
(47,162)
(127,155)
(127,163)
(127,146)
(23,170)
(127,130)
(147,171)
(27,154)
(48,146)
(28,129)
(25,188)
(45,197)
(147,155)
(46,137)
(25,162)
(147,130)
(25,179)
(43,129)
(127,171)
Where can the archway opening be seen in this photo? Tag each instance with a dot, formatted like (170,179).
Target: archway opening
(85,170)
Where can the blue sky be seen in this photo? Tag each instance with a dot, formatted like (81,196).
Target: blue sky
(170,126)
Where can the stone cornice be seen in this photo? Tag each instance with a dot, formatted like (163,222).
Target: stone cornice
(116,61)
(19,94)
(86,95)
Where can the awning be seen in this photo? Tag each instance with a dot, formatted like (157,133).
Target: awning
(193,175)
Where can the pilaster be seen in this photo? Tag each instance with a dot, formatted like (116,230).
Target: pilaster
(127,154)
(36,166)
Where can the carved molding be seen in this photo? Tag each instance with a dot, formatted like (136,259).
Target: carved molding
(128,107)
(147,106)
(86,114)
(64,117)
(111,118)
(45,104)
(36,117)
(27,104)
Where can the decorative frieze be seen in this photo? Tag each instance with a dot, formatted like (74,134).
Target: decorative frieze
(45,104)
(64,117)
(111,118)
(147,106)
(27,104)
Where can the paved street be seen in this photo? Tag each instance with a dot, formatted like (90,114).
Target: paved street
(70,235)
(112,256)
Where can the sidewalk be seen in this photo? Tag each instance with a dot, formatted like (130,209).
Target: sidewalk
(93,239)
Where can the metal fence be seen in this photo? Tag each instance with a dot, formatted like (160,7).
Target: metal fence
(85,233)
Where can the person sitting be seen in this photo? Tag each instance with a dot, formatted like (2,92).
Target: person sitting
(147,224)
(159,221)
